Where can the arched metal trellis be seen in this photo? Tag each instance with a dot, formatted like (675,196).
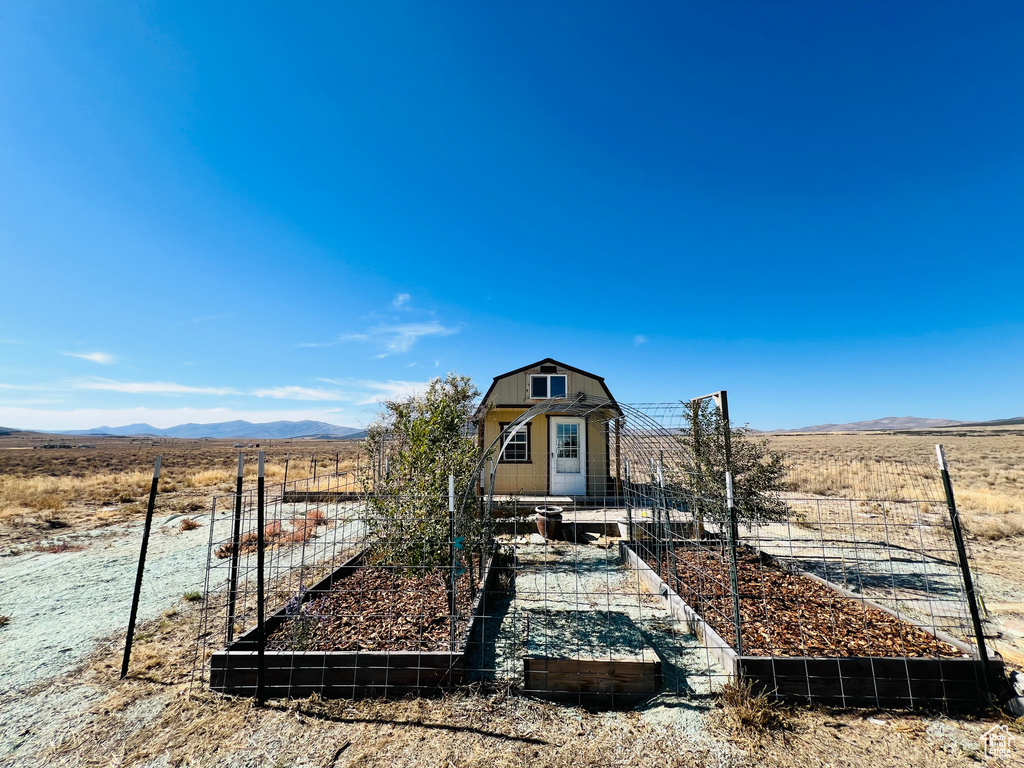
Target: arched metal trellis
(852,600)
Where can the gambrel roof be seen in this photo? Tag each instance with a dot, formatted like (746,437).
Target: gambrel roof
(536,365)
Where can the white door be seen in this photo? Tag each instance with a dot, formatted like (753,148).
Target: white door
(568,457)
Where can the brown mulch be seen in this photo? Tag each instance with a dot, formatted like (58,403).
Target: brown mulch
(785,614)
(379,609)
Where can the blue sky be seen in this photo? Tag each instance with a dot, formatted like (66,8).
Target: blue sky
(263,211)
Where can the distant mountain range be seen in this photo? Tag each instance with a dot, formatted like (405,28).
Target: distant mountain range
(902,422)
(271,430)
(280,430)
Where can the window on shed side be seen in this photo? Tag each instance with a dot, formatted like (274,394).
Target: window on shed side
(518,449)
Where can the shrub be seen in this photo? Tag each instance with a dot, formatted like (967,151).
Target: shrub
(757,470)
(424,440)
(188,524)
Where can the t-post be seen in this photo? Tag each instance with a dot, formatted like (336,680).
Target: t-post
(453,560)
(261,534)
(721,399)
(236,538)
(142,567)
(961,551)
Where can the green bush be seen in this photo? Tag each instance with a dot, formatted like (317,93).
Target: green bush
(414,445)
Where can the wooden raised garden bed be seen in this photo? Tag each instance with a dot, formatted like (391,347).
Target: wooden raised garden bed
(809,640)
(361,631)
(593,658)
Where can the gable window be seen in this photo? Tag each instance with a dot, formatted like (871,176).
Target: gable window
(518,449)
(543,386)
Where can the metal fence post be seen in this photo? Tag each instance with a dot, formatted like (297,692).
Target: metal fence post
(236,537)
(961,551)
(261,647)
(731,507)
(142,566)
(629,506)
(451,546)
(671,557)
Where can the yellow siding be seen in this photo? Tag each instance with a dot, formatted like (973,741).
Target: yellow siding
(515,478)
(532,478)
(515,389)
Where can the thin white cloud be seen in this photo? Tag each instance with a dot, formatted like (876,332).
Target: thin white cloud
(394,338)
(401,301)
(342,338)
(208,318)
(34,387)
(639,339)
(103,358)
(149,387)
(301,393)
(401,338)
(392,390)
(36,401)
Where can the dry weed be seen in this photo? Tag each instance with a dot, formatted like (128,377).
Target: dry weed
(996,527)
(749,710)
(57,549)
(224,551)
(302,531)
(317,517)
(188,524)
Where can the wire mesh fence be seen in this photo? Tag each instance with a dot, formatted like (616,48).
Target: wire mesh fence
(631,585)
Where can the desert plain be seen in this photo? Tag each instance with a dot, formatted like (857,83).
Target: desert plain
(67,706)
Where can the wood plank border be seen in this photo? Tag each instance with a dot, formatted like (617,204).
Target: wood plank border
(592,683)
(345,674)
(886,682)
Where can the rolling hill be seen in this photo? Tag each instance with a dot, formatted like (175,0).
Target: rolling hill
(272,430)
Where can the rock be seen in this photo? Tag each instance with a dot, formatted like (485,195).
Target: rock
(1015,706)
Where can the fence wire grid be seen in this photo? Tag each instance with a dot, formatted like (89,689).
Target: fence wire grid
(635,591)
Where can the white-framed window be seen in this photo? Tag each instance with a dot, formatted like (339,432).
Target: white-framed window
(518,449)
(545,385)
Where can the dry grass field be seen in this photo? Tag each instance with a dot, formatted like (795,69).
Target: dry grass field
(47,490)
(986,467)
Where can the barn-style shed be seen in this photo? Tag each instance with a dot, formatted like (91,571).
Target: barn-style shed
(563,451)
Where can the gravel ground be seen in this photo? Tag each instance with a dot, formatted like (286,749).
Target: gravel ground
(60,604)
(596,596)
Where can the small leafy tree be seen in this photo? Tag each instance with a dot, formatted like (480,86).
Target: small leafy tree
(414,445)
(757,470)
